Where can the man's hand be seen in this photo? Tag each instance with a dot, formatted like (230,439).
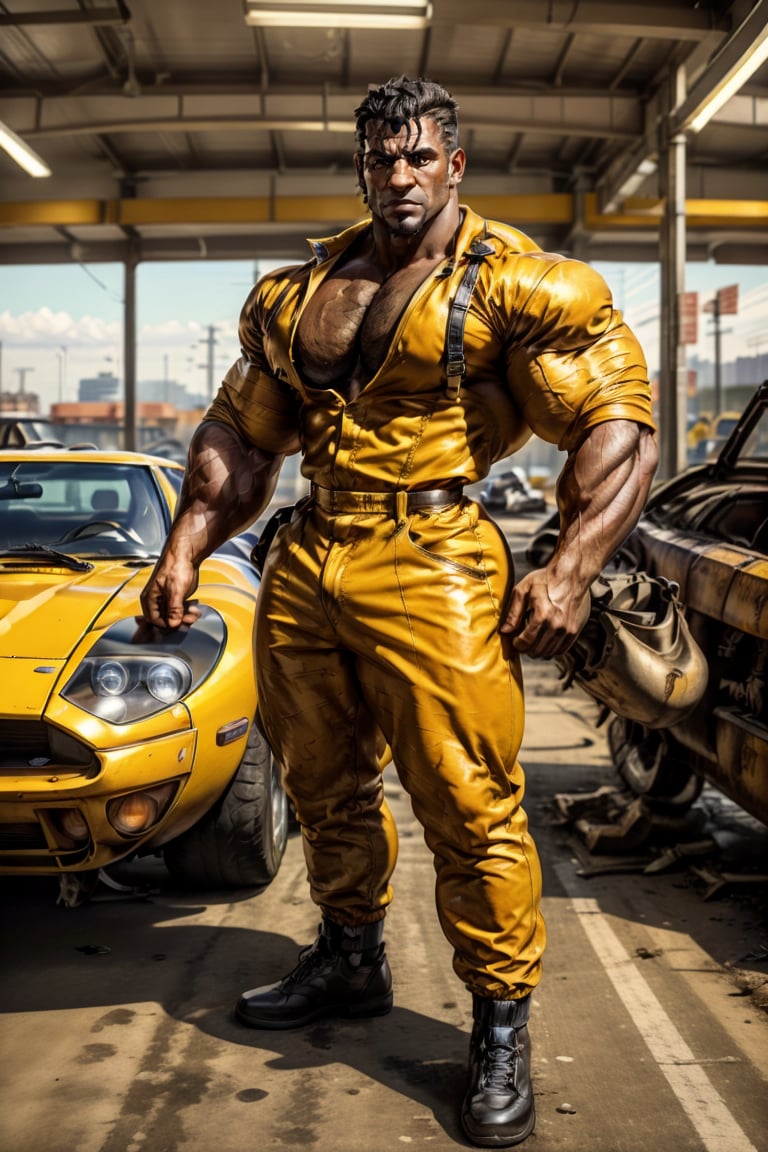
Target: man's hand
(600,494)
(165,600)
(544,619)
(227,484)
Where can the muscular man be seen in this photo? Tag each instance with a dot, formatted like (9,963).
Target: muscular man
(414,350)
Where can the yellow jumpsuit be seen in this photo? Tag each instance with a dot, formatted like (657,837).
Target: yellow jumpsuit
(388,621)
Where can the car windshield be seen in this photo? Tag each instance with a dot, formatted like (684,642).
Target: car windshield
(756,446)
(81,508)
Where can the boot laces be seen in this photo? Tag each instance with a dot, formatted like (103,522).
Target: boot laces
(500,1065)
(310,959)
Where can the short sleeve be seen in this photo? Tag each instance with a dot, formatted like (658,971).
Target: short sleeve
(578,364)
(263,410)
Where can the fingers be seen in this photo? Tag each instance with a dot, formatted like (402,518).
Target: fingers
(165,601)
(541,639)
(539,626)
(165,618)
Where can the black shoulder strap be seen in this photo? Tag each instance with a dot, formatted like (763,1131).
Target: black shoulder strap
(457,317)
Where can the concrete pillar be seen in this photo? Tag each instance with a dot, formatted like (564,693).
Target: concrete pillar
(673,382)
(129,348)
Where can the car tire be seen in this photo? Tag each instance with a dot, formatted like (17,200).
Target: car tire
(240,842)
(652,765)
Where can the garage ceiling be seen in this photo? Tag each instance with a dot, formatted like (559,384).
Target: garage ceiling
(174,129)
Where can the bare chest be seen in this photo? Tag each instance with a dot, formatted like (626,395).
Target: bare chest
(348,325)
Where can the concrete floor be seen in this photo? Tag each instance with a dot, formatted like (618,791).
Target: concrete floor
(650,1028)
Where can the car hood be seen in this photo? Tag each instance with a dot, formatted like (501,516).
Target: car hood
(45,611)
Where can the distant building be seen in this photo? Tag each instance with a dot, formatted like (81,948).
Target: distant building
(171,392)
(20,403)
(93,389)
(102,422)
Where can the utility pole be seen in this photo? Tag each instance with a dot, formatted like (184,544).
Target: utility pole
(23,376)
(63,349)
(718,405)
(60,360)
(210,341)
(724,302)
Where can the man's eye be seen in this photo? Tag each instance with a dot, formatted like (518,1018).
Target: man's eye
(419,160)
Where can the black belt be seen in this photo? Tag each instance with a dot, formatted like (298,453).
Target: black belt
(396,504)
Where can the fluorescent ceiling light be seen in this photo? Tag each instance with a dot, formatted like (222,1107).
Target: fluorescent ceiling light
(21,152)
(731,83)
(380,14)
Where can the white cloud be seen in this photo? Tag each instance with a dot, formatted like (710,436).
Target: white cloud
(183,334)
(54,350)
(47,329)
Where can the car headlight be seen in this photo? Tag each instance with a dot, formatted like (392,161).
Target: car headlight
(110,678)
(134,670)
(137,812)
(168,681)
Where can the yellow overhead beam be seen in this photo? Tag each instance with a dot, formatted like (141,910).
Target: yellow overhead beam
(52,213)
(556,208)
(193,210)
(638,213)
(552,208)
(237,210)
(705,213)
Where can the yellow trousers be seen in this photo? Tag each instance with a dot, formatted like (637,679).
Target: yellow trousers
(365,627)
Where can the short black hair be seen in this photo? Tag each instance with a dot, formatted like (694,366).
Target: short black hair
(401,100)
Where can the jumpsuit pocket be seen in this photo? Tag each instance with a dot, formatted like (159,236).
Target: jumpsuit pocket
(450,540)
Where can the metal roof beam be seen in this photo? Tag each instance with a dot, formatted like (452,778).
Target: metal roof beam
(120,14)
(629,170)
(579,112)
(655,21)
(293,246)
(736,50)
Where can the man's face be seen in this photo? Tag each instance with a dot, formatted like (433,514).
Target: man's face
(408,176)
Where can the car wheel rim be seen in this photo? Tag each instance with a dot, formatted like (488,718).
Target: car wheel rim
(279,809)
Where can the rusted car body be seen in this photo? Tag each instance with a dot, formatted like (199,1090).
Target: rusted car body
(707,530)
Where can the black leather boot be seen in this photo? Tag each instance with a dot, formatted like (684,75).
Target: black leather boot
(498,1109)
(344,973)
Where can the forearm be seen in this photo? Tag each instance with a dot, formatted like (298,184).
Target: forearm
(228,483)
(601,492)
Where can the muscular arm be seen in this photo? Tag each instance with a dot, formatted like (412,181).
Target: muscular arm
(600,495)
(228,483)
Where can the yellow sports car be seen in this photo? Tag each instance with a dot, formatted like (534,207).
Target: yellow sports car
(117,739)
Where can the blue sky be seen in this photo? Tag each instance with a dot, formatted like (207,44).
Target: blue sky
(60,323)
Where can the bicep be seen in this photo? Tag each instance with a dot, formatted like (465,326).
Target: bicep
(262,410)
(572,362)
(562,394)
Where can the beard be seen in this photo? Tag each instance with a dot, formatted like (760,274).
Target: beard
(406,227)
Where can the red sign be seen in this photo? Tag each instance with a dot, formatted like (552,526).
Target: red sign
(689,317)
(728,300)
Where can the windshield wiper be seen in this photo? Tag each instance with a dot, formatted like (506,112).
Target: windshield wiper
(43,552)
